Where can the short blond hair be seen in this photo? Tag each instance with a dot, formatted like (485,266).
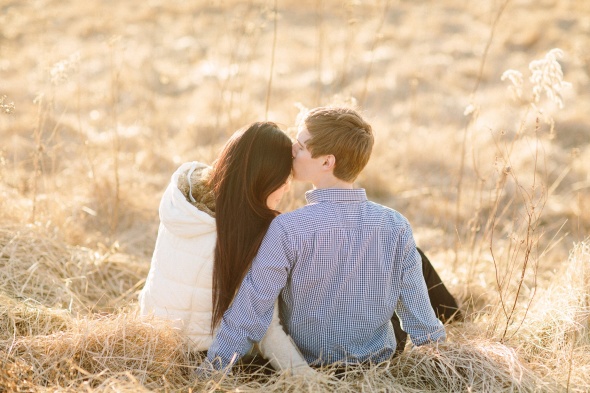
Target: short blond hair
(343,133)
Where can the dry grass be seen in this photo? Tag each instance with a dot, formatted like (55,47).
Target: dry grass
(91,351)
(557,338)
(46,344)
(100,103)
(43,270)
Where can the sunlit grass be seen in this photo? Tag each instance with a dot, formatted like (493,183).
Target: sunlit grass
(100,103)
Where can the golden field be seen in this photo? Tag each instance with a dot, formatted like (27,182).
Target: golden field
(101,101)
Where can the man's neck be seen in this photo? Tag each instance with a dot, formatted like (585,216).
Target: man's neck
(332,183)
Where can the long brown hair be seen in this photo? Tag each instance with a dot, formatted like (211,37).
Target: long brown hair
(254,163)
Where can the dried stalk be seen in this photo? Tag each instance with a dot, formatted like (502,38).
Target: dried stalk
(470,123)
(272,59)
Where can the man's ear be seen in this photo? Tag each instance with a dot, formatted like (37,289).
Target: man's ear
(329,162)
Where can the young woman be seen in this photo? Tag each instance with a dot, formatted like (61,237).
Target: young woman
(212,223)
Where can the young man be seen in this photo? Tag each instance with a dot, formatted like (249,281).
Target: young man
(342,265)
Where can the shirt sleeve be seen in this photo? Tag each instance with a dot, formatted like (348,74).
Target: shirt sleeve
(414,310)
(250,314)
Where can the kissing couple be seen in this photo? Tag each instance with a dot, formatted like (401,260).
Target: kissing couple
(337,281)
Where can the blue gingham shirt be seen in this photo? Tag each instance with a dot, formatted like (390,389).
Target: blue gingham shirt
(342,265)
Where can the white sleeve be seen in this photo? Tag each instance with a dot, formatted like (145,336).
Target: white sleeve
(278,347)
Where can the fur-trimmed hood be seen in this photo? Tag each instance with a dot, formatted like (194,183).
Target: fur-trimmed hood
(179,213)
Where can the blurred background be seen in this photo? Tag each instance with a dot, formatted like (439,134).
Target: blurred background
(102,100)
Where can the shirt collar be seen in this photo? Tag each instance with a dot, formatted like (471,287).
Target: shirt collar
(335,195)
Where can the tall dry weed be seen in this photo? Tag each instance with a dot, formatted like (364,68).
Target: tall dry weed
(506,228)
